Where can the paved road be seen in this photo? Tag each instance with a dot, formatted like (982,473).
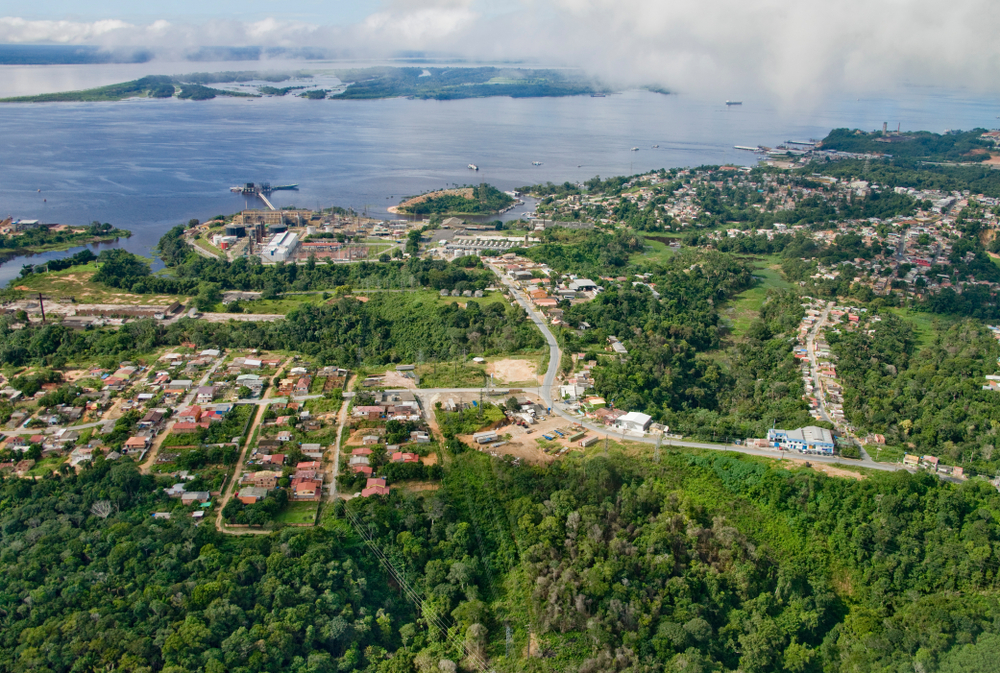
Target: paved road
(545,392)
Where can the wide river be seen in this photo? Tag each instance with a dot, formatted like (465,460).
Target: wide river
(146,165)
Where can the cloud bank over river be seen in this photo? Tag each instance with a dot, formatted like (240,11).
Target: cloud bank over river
(790,50)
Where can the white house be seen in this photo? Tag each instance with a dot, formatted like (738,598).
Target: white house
(634,421)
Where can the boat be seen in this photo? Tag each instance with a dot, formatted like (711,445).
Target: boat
(536,163)
(656,147)
(634,149)
(601,95)
(734,102)
(473,167)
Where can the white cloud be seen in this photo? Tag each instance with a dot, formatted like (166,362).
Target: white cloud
(787,49)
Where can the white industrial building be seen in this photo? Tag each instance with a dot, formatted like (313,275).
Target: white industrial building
(281,247)
(634,421)
(807,439)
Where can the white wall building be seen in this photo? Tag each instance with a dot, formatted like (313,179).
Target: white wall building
(634,421)
(281,247)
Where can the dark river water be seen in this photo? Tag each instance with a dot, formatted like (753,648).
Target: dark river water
(148,165)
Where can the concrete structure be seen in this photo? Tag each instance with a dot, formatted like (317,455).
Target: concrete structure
(634,421)
(251,494)
(807,439)
(281,247)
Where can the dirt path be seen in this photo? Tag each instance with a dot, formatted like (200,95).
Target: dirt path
(341,422)
(154,450)
(232,486)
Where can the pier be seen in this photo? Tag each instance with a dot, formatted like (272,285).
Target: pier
(266,202)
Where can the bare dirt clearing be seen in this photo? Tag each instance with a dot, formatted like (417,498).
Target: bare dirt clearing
(394,380)
(512,370)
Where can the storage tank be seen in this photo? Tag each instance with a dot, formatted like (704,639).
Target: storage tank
(277,228)
(237,230)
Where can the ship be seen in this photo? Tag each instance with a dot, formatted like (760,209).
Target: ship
(473,167)
(601,95)
(536,163)
(734,102)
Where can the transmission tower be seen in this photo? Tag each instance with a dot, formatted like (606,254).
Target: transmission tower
(605,446)
(656,451)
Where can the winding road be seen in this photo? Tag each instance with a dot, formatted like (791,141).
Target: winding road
(545,392)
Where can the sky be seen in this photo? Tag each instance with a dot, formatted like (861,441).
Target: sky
(786,49)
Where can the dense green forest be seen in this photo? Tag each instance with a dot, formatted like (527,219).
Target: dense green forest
(751,385)
(929,401)
(388,328)
(44,238)
(953,146)
(485,199)
(455,83)
(705,563)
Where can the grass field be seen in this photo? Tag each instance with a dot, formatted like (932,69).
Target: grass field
(75,282)
(452,375)
(885,454)
(744,308)
(655,252)
(322,405)
(298,512)
(926,325)
(208,247)
(45,466)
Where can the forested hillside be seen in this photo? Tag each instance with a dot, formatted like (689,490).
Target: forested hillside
(698,563)
(387,328)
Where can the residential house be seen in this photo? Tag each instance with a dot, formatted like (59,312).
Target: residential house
(251,494)
(152,419)
(401,457)
(306,489)
(136,444)
(375,486)
(205,394)
(262,478)
(191,497)
(191,414)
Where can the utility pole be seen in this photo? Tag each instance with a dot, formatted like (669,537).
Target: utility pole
(41,305)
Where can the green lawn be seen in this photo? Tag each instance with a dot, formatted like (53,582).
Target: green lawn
(298,512)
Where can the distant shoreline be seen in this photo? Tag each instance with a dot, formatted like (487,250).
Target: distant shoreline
(375,83)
